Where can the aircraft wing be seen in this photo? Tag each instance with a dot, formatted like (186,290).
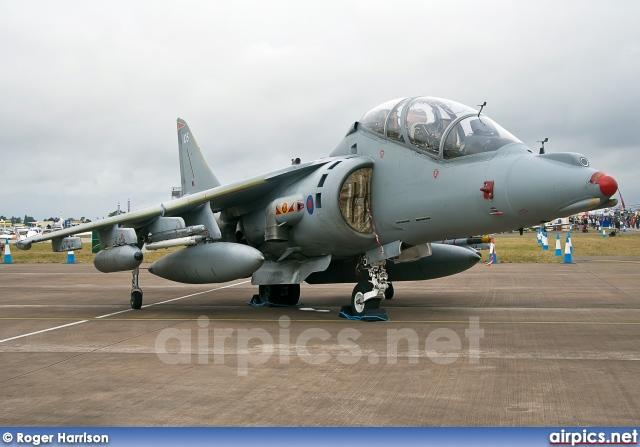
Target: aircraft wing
(240,193)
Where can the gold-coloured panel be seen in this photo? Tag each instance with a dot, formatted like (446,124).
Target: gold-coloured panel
(355,200)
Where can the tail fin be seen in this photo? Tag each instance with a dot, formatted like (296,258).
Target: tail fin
(195,173)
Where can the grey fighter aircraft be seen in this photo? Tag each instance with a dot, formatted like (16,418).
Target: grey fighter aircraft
(412,171)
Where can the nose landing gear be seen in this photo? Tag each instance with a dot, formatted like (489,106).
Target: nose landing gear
(366,296)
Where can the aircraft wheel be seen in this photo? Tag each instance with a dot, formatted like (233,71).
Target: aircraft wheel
(388,294)
(285,294)
(358,305)
(265,293)
(292,294)
(136,299)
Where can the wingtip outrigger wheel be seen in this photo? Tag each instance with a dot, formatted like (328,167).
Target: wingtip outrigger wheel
(136,298)
(136,291)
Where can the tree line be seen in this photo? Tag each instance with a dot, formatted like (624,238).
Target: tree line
(27,219)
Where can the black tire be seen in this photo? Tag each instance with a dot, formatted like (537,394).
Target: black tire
(357,306)
(263,293)
(136,299)
(292,294)
(283,294)
(388,294)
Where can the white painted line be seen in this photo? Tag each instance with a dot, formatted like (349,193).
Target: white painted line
(174,299)
(194,294)
(122,311)
(44,330)
(114,313)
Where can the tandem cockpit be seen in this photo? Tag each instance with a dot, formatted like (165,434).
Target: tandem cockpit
(437,127)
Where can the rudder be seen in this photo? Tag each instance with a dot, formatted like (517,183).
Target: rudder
(195,173)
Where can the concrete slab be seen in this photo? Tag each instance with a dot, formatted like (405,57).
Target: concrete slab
(505,345)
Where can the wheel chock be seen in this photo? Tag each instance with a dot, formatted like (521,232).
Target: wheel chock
(368,315)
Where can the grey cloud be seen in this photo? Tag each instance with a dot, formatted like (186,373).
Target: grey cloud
(91,92)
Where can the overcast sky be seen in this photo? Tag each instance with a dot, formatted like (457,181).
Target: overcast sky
(90,91)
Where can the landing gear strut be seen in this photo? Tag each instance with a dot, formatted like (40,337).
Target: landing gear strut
(367,295)
(136,291)
(285,294)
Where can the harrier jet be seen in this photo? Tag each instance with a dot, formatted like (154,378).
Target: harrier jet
(412,171)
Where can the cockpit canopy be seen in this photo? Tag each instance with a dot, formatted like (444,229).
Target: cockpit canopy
(437,127)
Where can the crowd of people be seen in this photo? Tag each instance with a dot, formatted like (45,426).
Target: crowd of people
(616,220)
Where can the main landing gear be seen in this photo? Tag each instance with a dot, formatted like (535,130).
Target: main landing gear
(136,291)
(366,296)
(284,294)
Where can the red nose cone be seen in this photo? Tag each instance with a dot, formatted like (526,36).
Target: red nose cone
(608,185)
